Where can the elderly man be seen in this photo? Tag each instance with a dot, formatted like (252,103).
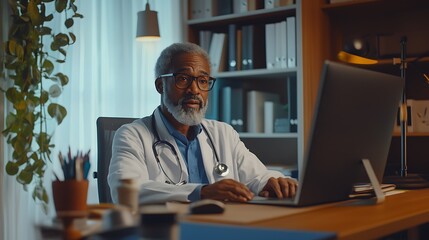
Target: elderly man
(177,155)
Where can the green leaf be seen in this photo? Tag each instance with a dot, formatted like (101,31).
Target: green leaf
(34,14)
(61,39)
(13,95)
(45,30)
(69,22)
(63,52)
(73,37)
(12,46)
(43,140)
(25,177)
(77,15)
(73,6)
(57,111)
(49,18)
(48,66)
(20,105)
(54,46)
(63,78)
(20,52)
(12,168)
(44,97)
(60,5)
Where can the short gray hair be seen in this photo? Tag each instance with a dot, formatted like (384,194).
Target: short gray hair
(165,59)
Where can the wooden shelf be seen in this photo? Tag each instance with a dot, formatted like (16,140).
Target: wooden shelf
(278,73)
(251,17)
(356,6)
(412,134)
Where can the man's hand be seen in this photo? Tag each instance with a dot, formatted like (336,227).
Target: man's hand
(280,188)
(227,190)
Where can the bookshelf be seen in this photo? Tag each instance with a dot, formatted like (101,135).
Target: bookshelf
(283,81)
(330,25)
(321,29)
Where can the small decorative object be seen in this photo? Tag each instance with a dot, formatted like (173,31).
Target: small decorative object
(70,195)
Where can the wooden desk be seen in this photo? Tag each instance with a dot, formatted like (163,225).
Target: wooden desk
(349,221)
(399,212)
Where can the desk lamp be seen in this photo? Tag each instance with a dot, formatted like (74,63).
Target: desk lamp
(147,25)
(352,54)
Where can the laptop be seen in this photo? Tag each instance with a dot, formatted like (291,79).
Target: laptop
(353,120)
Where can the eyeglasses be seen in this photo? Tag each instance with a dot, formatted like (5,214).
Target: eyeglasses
(183,81)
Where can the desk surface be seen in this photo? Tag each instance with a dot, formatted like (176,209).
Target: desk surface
(350,221)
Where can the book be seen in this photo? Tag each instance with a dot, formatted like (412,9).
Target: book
(244,48)
(253,5)
(291,42)
(283,44)
(210,8)
(232,47)
(213,101)
(237,109)
(224,7)
(239,48)
(292,104)
(270,45)
(240,6)
(255,109)
(280,44)
(366,189)
(277,3)
(226,105)
(255,53)
(273,114)
(217,52)
(268,117)
(232,107)
(205,37)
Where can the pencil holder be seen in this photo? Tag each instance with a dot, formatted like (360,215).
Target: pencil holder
(70,195)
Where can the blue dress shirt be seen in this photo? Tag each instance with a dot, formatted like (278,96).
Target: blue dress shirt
(191,152)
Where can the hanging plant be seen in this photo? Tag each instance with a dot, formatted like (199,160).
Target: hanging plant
(29,56)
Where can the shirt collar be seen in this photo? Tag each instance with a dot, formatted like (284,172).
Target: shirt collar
(194,130)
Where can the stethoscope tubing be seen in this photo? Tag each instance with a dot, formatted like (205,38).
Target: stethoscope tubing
(220,168)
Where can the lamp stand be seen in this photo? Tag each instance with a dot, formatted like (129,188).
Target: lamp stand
(405,180)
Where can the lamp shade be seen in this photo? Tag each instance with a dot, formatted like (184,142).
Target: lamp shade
(355,59)
(147,25)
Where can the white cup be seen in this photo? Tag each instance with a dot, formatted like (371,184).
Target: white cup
(128,195)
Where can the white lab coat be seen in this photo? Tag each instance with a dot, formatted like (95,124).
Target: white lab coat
(133,157)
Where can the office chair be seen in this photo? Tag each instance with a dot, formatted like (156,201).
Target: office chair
(106,128)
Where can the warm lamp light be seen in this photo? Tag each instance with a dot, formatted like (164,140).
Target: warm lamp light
(355,59)
(147,25)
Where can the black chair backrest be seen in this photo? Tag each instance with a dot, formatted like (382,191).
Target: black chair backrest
(106,128)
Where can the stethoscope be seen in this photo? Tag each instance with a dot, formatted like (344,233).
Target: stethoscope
(220,169)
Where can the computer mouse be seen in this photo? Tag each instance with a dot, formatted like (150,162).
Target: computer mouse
(206,206)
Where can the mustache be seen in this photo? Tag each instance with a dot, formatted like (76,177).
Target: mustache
(192,97)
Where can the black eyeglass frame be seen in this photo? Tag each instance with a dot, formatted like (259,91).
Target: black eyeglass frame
(211,80)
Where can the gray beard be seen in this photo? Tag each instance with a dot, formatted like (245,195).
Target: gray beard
(189,117)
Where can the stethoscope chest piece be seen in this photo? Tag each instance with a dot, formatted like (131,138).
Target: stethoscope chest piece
(221,169)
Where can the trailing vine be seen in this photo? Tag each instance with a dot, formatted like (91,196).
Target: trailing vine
(29,57)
